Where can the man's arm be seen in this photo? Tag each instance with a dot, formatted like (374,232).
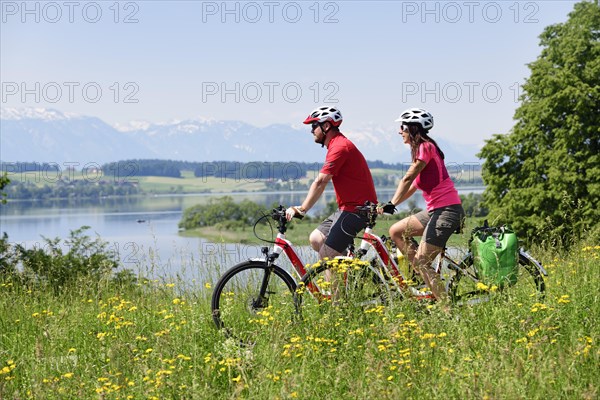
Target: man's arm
(316,190)
(314,193)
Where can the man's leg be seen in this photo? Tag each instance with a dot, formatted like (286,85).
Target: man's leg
(328,252)
(317,239)
(343,230)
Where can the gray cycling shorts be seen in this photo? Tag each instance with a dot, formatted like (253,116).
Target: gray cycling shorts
(441,223)
(340,229)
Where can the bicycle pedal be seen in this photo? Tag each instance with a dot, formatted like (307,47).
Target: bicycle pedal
(419,292)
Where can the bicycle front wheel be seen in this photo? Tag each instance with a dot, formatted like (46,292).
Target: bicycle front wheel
(465,286)
(252,297)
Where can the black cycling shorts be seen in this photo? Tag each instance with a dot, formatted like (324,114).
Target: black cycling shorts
(340,229)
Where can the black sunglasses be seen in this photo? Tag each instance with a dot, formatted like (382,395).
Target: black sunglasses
(314,126)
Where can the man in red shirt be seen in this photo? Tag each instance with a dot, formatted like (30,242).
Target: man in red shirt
(347,168)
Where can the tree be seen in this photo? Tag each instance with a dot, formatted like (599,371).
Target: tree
(473,206)
(223,212)
(7,261)
(4,181)
(544,176)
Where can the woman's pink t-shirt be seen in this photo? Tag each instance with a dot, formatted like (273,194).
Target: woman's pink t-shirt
(434,181)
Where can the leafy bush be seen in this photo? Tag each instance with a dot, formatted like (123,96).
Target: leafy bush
(222,211)
(4,181)
(52,266)
(8,261)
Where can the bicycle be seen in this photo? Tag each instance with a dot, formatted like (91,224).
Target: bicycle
(258,292)
(385,277)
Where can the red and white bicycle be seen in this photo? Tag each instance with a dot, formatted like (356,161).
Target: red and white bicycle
(258,292)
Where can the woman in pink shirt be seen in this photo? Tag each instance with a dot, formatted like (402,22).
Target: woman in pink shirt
(444,213)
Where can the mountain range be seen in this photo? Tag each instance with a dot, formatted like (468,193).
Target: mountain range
(47,135)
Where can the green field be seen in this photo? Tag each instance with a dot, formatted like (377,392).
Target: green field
(157,184)
(156,340)
(188,183)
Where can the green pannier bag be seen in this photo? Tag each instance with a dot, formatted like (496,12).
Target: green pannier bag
(495,255)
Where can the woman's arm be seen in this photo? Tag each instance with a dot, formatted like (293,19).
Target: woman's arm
(405,187)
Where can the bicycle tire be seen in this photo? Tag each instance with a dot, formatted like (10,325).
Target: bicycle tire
(363,286)
(238,307)
(462,286)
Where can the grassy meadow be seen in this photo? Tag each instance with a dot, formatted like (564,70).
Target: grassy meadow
(156,340)
(188,183)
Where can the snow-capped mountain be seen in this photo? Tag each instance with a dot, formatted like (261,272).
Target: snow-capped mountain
(46,135)
(14,114)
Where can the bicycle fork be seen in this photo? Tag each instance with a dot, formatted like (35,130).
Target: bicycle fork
(262,298)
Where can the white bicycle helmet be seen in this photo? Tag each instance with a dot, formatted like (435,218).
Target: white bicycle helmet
(323,114)
(416,115)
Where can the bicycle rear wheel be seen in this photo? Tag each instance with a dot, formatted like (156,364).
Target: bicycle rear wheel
(465,287)
(251,297)
(344,280)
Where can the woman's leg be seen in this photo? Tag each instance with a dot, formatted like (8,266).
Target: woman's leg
(441,225)
(424,257)
(402,231)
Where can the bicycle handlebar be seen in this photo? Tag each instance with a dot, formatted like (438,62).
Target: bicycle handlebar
(370,209)
(279,213)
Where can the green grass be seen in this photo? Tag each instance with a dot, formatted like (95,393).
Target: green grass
(156,340)
(190,184)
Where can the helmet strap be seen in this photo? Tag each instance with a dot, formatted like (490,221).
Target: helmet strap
(325,132)
(324,136)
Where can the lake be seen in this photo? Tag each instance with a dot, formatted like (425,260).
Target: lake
(144,230)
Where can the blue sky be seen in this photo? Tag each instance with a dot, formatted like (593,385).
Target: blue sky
(270,62)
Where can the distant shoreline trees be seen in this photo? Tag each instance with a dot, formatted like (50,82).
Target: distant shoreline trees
(33,180)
